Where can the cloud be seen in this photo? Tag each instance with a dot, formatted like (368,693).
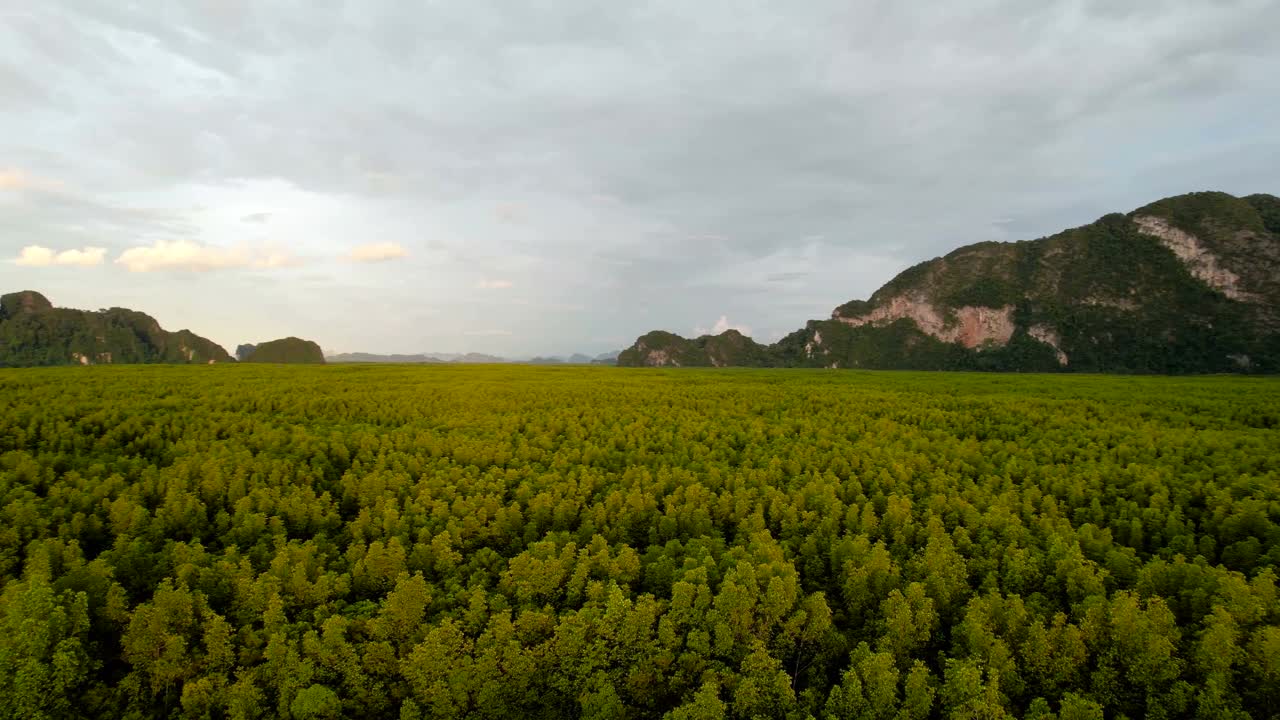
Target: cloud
(13,180)
(377,252)
(258,217)
(37,256)
(16,179)
(781,277)
(650,165)
(511,213)
(487,333)
(494,285)
(190,256)
(722,325)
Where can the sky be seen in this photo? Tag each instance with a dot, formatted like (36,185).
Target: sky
(562,176)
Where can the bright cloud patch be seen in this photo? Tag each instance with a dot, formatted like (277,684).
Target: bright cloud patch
(194,257)
(15,179)
(721,325)
(378,252)
(494,285)
(12,179)
(37,256)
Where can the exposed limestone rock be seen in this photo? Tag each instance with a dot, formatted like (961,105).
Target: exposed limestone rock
(659,358)
(816,342)
(1202,264)
(980,325)
(1050,337)
(1111,302)
(971,327)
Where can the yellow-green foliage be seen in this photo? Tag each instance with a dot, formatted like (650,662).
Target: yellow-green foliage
(505,542)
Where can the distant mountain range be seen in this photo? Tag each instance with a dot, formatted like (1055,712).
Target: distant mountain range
(1188,284)
(34,332)
(471,358)
(359,357)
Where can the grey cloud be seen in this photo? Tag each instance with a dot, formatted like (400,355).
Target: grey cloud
(783,277)
(589,151)
(62,216)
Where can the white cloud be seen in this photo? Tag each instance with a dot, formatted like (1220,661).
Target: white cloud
(721,325)
(83,257)
(16,179)
(13,180)
(37,256)
(194,257)
(494,285)
(377,252)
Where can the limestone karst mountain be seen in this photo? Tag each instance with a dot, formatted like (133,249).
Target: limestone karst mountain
(1188,284)
(34,332)
(286,350)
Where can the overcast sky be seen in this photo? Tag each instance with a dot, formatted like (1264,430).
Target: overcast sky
(565,175)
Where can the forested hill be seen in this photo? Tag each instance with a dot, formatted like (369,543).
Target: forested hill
(286,350)
(1188,284)
(34,332)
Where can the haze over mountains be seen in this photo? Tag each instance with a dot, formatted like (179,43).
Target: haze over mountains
(1186,284)
(476,358)
(33,332)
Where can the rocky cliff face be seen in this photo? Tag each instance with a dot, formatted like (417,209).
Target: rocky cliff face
(34,332)
(1198,259)
(1186,284)
(968,325)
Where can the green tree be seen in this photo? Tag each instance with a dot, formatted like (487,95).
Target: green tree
(45,655)
(764,689)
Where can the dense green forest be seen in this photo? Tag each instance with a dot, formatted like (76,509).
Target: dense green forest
(503,542)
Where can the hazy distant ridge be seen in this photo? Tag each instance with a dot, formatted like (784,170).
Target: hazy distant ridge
(607,358)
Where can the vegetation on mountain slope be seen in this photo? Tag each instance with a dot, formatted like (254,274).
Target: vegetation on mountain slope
(34,332)
(576,542)
(286,350)
(728,349)
(1189,284)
